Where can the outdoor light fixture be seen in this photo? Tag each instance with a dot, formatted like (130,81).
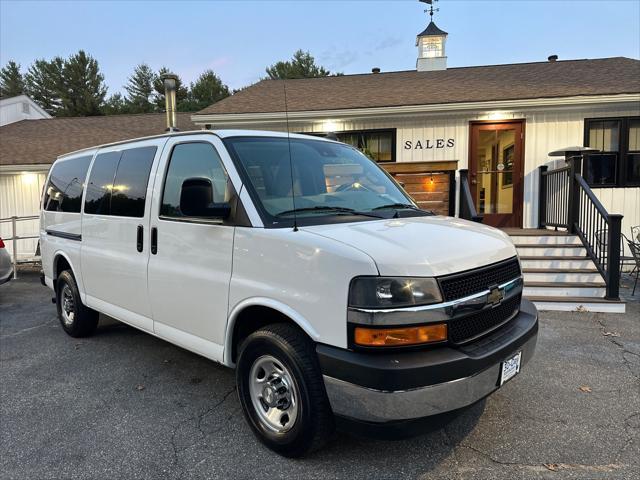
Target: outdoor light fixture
(170,82)
(29,178)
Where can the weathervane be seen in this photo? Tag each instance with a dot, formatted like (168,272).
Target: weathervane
(430,10)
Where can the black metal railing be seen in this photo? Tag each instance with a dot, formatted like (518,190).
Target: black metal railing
(600,234)
(554,197)
(467,208)
(566,201)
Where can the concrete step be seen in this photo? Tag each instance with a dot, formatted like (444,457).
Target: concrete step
(564,289)
(562,275)
(546,240)
(580,304)
(564,262)
(551,250)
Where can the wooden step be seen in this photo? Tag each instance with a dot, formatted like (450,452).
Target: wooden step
(563,284)
(557,270)
(536,232)
(555,245)
(576,275)
(571,304)
(551,250)
(571,262)
(546,240)
(564,289)
(556,257)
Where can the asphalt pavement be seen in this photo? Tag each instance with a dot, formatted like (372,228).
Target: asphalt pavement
(125,405)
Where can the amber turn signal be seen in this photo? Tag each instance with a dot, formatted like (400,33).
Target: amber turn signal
(396,337)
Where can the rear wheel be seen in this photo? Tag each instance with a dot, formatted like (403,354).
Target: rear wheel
(76,319)
(282,392)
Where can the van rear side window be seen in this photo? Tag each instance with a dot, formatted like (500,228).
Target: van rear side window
(130,184)
(66,183)
(98,198)
(118,182)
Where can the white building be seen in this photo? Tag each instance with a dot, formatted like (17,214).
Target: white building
(15,109)
(472,140)
(499,122)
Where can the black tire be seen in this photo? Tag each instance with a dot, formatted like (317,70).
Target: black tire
(314,423)
(84,320)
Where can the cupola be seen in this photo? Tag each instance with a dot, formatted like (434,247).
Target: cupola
(431,45)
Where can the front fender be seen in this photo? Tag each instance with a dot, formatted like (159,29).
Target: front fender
(284,309)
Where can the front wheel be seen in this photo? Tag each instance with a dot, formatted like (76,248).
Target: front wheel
(282,392)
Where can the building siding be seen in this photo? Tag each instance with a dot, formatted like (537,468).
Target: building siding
(545,131)
(20,196)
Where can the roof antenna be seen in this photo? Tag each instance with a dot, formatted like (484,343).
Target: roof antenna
(293,194)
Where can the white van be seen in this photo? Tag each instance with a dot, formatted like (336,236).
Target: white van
(297,261)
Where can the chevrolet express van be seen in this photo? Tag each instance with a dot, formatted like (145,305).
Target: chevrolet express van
(295,260)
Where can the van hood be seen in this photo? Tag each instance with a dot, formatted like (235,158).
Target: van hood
(422,246)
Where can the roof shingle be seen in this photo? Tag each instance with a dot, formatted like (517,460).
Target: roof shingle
(30,142)
(455,85)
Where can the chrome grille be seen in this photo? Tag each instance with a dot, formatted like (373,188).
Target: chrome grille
(462,285)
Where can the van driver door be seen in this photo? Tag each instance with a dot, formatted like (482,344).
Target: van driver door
(190,263)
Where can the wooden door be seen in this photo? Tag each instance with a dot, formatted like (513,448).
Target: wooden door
(496,171)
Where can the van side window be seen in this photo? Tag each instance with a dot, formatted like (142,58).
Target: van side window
(66,183)
(192,160)
(130,184)
(98,198)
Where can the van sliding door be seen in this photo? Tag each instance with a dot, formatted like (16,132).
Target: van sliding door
(115,232)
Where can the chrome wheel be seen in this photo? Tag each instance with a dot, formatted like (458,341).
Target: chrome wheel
(68,306)
(274,394)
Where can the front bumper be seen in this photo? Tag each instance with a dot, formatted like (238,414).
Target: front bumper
(397,386)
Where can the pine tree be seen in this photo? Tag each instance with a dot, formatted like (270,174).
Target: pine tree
(140,89)
(182,92)
(207,90)
(45,85)
(84,90)
(302,65)
(11,80)
(115,105)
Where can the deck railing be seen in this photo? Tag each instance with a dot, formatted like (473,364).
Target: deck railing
(14,238)
(467,208)
(566,201)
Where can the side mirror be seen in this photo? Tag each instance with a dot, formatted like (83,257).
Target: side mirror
(196,200)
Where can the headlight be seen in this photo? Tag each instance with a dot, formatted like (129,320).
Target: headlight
(393,292)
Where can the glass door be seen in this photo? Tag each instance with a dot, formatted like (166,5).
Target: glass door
(496,171)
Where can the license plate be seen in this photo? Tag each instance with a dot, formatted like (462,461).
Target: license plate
(510,367)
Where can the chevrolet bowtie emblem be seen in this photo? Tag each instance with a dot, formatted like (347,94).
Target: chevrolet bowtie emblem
(495,296)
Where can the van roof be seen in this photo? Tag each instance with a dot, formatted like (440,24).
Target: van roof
(226,133)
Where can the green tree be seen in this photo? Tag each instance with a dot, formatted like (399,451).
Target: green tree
(115,105)
(140,89)
(11,80)
(182,92)
(44,84)
(84,88)
(302,65)
(207,90)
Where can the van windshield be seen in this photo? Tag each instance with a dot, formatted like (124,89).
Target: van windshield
(329,179)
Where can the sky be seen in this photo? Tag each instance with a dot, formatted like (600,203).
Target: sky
(238,39)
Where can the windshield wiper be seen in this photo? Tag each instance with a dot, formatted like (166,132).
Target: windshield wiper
(328,209)
(396,206)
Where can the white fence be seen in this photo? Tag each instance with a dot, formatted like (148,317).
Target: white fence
(18,236)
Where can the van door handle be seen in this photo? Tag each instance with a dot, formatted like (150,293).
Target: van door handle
(154,240)
(140,238)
